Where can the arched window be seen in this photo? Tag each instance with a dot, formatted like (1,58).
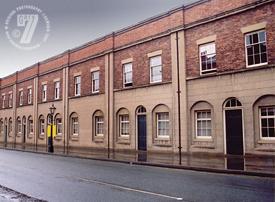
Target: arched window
(1,127)
(141,110)
(41,126)
(74,125)
(232,103)
(123,123)
(161,122)
(6,126)
(203,120)
(264,116)
(58,122)
(10,127)
(30,126)
(19,125)
(98,124)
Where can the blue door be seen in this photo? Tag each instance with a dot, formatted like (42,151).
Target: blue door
(142,136)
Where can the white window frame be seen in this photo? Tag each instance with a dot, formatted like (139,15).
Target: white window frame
(29,95)
(57,90)
(75,126)
(125,83)
(166,121)
(260,120)
(121,122)
(246,54)
(19,126)
(31,126)
(44,92)
(10,127)
(10,99)
(42,126)
(77,85)
(151,67)
(1,126)
(59,128)
(97,123)
(202,119)
(212,70)
(21,97)
(3,101)
(94,90)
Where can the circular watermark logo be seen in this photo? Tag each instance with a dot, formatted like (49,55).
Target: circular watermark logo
(27,27)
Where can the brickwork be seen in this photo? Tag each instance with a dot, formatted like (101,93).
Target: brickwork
(141,66)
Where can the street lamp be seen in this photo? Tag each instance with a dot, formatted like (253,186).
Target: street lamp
(50,138)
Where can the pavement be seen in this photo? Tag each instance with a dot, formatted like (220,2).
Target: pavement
(58,178)
(263,166)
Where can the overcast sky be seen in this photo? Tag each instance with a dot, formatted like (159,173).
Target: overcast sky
(72,23)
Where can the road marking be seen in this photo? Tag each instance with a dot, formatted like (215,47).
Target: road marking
(130,189)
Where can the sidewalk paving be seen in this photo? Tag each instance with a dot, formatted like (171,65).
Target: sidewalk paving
(263,166)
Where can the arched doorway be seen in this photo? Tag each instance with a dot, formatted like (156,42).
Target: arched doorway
(141,128)
(234,139)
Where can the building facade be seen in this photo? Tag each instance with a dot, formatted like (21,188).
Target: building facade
(199,78)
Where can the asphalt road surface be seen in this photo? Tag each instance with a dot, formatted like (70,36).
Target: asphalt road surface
(54,178)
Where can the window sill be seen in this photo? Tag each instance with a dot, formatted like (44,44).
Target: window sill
(75,137)
(124,140)
(266,141)
(257,65)
(58,137)
(205,139)
(162,142)
(41,136)
(163,138)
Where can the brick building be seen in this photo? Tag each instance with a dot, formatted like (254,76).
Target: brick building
(200,77)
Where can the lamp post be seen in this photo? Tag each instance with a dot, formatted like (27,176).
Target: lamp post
(50,138)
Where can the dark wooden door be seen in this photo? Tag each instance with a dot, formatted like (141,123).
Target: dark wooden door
(24,133)
(234,132)
(142,136)
(6,134)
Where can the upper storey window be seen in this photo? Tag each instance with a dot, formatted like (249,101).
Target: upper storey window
(208,58)
(77,85)
(95,82)
(156,69)
(256,51)
(128,75)
(44,93)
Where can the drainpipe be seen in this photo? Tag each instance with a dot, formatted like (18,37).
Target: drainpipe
(15,111)
(179,100)
(108,110)
(35,98)
(67,102)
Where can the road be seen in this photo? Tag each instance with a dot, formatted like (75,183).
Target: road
(55,178)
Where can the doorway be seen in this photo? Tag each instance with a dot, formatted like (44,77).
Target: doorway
(24,130)
(141,129)
(234,127)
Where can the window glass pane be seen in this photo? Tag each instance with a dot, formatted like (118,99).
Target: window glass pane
(208,49)
(155,61)
(264,132)
(271,123)
(263,47)
(262,36)
(264,122)
(263,58)
(248,39)
(255,38)
(250,60)
(271,111)
(256,49)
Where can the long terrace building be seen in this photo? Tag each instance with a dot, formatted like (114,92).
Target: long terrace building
(200,78)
